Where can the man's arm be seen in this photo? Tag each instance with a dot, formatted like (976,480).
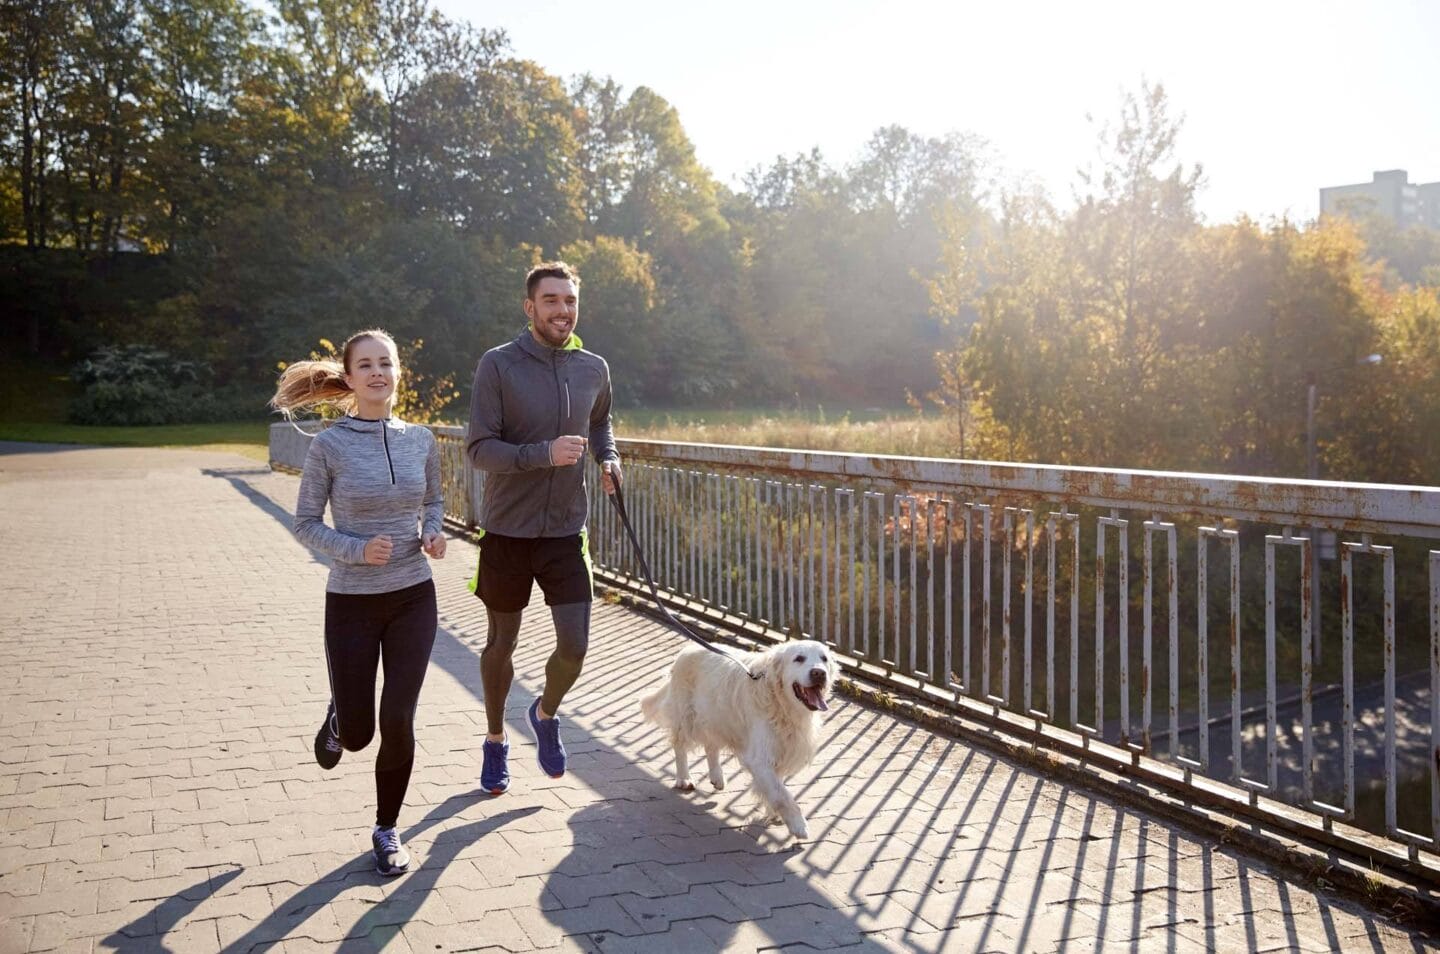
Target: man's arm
(483,445)
(602,436)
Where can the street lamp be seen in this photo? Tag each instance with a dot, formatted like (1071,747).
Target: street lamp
(1312,470)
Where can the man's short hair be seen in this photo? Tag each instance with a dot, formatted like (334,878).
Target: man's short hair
(555,269)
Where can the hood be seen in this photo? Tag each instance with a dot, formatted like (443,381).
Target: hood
(362,426)
(535,349)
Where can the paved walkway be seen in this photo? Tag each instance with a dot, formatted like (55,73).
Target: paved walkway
(160,645)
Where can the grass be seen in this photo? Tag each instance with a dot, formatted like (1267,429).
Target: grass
(34,399)
(31,392)
(905,433)
(646,418)
(247,439)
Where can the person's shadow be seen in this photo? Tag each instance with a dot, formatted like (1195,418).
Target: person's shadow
(393,912)
(658,860)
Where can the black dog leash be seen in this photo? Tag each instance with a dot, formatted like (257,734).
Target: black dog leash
(618,499)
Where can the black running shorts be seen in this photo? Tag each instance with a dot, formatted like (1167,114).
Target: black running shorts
(510,566)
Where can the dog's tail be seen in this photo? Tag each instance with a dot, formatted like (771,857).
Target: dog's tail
(651,705)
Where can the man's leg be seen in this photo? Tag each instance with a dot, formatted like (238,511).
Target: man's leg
(503,582)
(564,573)
(497,670)
(572,638)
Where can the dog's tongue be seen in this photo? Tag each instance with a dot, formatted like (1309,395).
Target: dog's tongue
(816,698)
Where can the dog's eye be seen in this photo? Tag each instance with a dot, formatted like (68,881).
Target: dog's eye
(800,659)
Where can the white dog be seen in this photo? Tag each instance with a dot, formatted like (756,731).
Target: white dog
(769,722)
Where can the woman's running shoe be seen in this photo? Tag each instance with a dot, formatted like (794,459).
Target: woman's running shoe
(327,740)
(391,858)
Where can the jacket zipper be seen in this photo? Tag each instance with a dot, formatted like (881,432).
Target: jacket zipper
(559,427)
(386,441)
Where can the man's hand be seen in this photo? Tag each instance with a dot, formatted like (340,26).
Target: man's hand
(610,476)
(567,450)
(434,545)
(377,550)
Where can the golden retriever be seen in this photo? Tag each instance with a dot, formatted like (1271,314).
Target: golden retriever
(769,722)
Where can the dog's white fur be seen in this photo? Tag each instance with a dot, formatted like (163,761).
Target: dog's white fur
(711,702)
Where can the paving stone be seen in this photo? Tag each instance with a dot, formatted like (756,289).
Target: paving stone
(157,790)
(15,933)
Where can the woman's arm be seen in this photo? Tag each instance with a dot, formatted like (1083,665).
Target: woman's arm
(309,522)
(432,514)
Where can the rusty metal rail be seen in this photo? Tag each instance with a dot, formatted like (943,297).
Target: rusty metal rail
(962,581)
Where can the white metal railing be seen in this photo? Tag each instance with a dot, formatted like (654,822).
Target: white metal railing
(1034,596)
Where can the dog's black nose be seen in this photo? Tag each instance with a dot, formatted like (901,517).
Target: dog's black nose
(818,677)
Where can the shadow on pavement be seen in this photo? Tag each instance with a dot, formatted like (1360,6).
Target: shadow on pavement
(920,842)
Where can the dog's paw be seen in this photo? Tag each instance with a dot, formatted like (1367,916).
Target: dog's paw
(684,785)
(717,782)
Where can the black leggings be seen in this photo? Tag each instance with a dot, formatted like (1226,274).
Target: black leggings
(362,632)
(572,638)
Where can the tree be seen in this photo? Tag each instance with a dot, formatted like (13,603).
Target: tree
(201,55)
(618,300)
(1129,239)
(102,136)
(34,78)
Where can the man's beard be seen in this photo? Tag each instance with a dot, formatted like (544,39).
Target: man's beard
(554,337)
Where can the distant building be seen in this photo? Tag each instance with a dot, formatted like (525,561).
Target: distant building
(1391,195)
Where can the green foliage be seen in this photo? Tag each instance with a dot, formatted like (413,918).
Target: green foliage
(139,385)
(249,439)
(230,182)
(1125,333)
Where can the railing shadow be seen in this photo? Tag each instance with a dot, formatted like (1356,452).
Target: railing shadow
(918,840)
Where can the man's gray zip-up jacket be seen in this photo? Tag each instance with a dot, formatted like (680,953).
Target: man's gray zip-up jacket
(378,477)
(525,396)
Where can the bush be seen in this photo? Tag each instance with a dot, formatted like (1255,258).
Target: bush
(136,385)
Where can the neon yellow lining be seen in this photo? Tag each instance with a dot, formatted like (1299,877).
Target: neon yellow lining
(474,584)
(585,555)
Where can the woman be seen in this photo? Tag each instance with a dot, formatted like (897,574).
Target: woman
(381,478)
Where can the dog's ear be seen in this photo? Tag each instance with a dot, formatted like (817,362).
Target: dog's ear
(775,661)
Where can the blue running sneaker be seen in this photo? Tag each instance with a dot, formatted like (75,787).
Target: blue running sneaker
(391,858)
(495,770)
(549,749)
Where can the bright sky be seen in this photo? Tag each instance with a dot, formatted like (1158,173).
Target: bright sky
(1280,97)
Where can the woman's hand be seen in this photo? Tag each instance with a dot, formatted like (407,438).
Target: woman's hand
(377,550)
(434,545)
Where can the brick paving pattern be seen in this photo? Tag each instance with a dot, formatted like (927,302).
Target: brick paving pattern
(163,678)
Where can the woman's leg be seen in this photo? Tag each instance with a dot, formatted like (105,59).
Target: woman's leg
(405,654)
(352,654)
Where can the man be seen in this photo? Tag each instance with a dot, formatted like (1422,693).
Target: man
(537,402)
